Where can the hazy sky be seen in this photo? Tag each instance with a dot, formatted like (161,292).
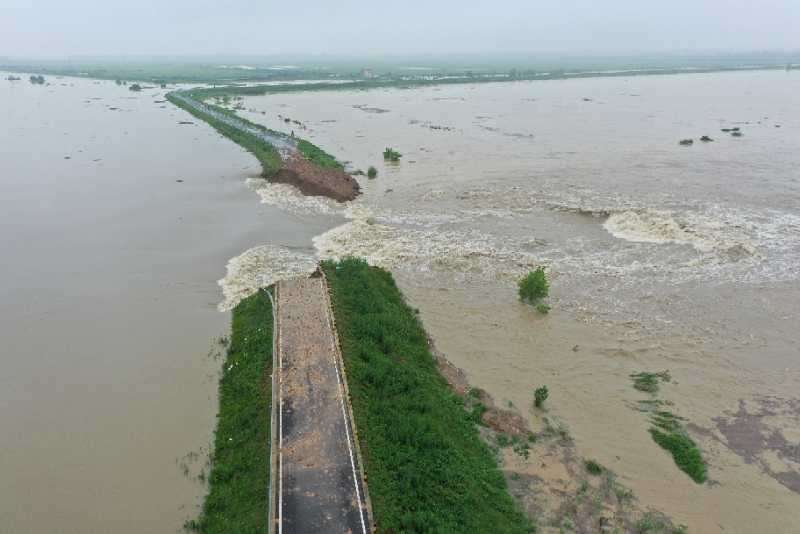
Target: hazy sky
(57,28)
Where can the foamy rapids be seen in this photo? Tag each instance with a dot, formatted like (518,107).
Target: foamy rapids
(430,241)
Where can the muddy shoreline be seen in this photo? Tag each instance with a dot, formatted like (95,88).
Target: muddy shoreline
(544,473)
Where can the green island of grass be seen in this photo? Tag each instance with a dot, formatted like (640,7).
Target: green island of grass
(428,469)
(239,478)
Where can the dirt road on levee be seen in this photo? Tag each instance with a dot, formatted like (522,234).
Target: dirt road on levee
(319,484)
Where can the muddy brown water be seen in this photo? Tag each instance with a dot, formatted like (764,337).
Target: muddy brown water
(108,302)
(661,257)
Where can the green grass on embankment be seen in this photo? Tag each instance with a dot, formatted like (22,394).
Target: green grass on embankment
(318,156)
(239,479)
(428,469)
(264,152)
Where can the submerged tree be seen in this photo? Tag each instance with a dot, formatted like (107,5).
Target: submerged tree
(390,154)
(534,286)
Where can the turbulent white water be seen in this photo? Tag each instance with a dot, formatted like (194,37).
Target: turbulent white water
(661,226)
(289,198)
(699,242)
(659,256)
(597,191)
(260,267)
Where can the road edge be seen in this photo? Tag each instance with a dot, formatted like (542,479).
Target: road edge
(340,361)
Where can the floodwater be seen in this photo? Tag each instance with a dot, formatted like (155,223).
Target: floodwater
(661,257)
(109,302)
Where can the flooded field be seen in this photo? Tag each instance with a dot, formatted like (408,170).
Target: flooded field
(116,222)
(662,257)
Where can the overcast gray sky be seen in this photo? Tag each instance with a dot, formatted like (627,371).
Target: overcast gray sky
(57,28)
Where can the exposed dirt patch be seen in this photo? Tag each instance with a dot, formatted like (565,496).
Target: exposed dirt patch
(498,419)
(313,180)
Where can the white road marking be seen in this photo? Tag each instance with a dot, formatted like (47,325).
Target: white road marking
(344,416)
(280,429)
(344,411)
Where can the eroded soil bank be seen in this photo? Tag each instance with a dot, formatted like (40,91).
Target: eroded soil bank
(314,180)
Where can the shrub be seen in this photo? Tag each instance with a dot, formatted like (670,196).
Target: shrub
(135,87)
(534,286)
(391,154)
(593,467)
(540,395)
(372,172)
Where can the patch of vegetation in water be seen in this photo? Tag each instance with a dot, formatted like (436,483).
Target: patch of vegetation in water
(533,288)
(656,523)
(390,154)
(428,469)
(649,382)
(668,431)
(239,478)
(593,467)
(539,396)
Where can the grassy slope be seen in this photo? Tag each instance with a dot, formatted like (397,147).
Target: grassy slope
(427,467)
(239,479)
(316,155)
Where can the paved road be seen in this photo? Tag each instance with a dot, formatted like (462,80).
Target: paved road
(319,480)
(283,143)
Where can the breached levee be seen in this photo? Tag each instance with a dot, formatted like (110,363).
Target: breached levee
(314,180)
(284,159)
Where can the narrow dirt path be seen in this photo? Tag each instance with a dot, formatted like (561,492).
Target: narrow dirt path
(319,482)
